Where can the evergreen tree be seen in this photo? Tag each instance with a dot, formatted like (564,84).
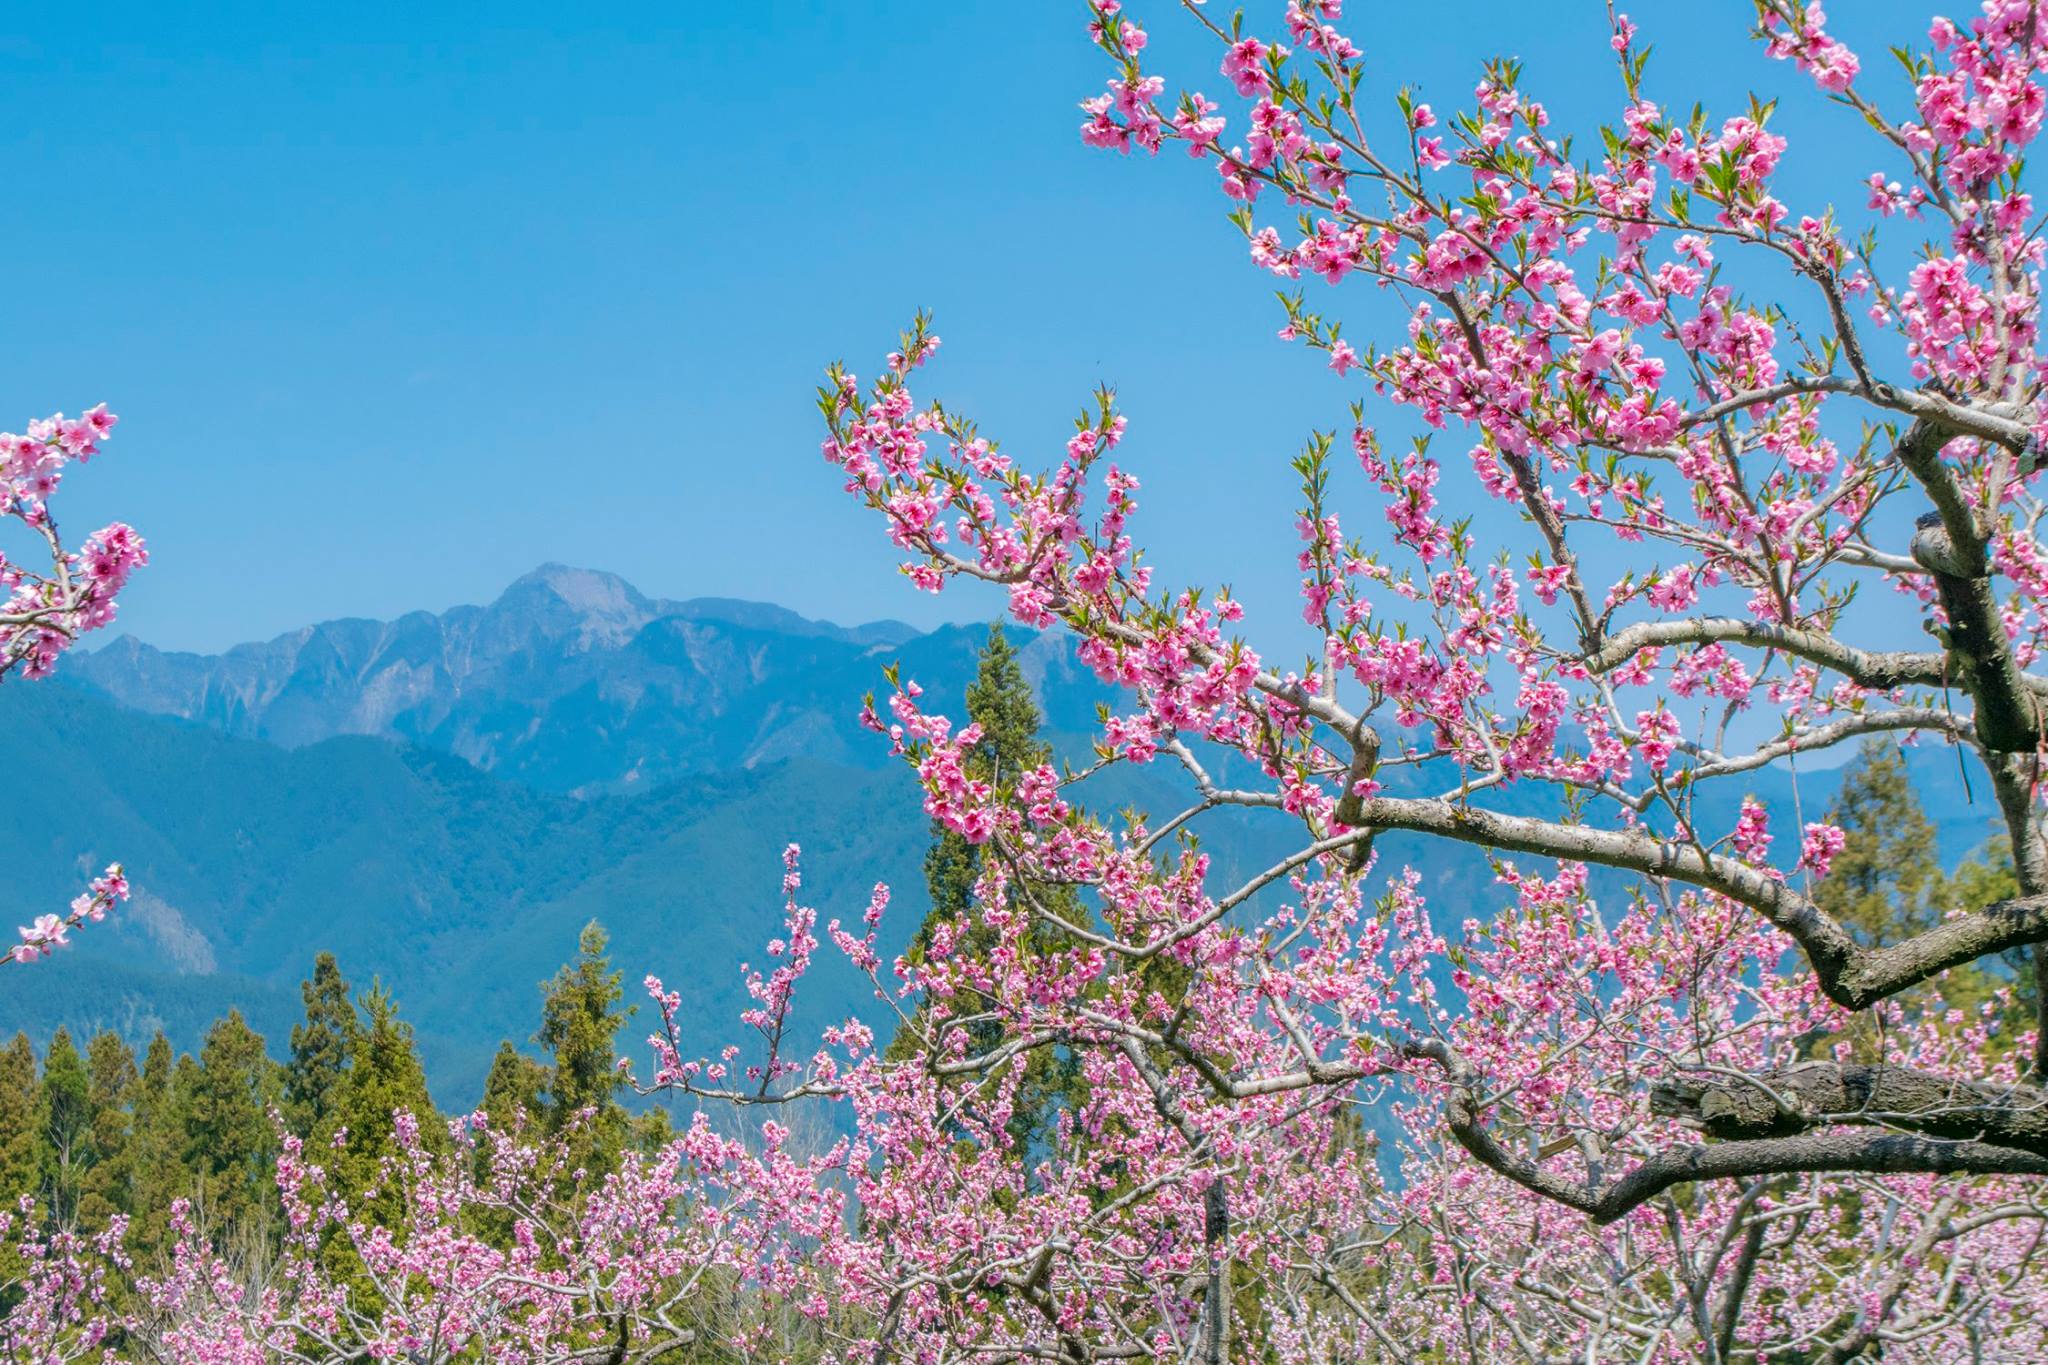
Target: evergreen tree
(229,1141)
(18,1169)
(63,1129)
(384,1079)
(321,1047)
(159,1143)
(112,1084)
(999,700)
(513,1089)
(580,1022)
(1886,882)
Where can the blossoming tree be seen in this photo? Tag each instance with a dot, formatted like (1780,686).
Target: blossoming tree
(49,604)
(1722,425)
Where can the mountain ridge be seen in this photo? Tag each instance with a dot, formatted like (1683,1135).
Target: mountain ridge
(562,651)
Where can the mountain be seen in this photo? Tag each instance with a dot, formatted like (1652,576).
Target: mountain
(572,681)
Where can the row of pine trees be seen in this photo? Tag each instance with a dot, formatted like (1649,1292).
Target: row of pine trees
(97,1133)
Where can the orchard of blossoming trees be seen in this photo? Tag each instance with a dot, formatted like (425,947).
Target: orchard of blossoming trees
(1705,1079)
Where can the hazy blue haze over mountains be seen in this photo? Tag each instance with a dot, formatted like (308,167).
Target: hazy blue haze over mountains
(445,800)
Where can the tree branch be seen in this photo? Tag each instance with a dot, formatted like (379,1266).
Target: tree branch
(1850,974)
(1795,1099)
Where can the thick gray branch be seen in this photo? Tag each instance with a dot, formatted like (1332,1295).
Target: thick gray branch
(1852,975)
(1875,1152)
(1980,656)
(1879,670)
(1796,1099)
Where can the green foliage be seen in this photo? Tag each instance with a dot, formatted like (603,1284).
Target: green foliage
(157,1126)
(512,1092)
(111,1083)
(230,1143)
(1886,882)
(384,1079)
(999,700)
(18,1137)
(580,1022)
(94,1136)
(321,1048)
(63,1129)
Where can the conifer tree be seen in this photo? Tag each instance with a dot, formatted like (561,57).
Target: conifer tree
(321,1047)
(999,700)
(384,1079)
(580,1022)
(112,1085)
(512,1091)
(1885,882)
(18,1169)
(63,1129)
(160,1143)
(230,1143)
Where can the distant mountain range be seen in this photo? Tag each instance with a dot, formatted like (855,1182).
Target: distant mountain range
(444,800)
(571,681)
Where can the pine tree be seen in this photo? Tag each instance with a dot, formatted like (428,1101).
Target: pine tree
(63,1129)
(321,1047)
(230,1143)
(18,1168)
(1885,882)
(512,1091)
(580,1022)
(999,700)
(112,1083)
(163,1171)
(384,1079)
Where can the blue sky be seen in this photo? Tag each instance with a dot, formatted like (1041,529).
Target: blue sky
(397,302)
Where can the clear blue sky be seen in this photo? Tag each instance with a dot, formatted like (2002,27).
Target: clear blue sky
(398,301)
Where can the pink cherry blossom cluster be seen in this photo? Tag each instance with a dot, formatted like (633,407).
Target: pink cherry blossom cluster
(51,932)
(46,611)
(920,1229)
(649,1258)
(59,1287)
